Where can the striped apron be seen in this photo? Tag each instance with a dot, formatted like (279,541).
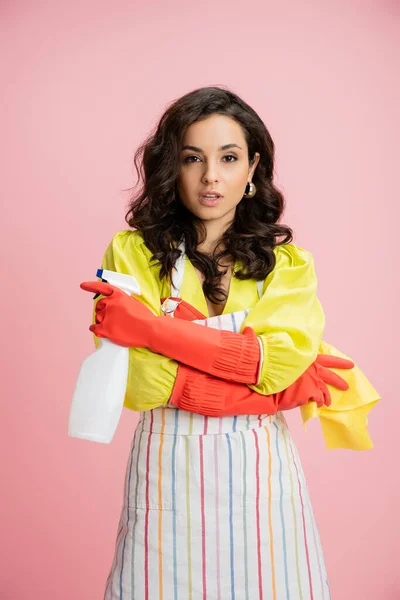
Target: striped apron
(215,508)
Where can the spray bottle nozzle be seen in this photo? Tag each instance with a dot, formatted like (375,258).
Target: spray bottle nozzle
(127,283)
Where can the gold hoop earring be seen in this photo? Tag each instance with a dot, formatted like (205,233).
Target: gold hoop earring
(250,190)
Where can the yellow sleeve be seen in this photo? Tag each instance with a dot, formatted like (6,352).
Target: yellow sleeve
(344,423)
(151,376)
(288,320)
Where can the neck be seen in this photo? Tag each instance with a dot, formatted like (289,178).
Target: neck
(214,232)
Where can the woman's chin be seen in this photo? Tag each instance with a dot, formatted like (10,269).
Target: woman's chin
(208,213)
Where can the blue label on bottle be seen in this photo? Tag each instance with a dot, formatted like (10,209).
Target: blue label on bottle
(99,274)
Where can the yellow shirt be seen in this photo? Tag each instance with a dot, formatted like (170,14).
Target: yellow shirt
(288,318)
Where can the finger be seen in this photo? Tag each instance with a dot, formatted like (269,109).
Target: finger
(331,378)
(97,287)
(100,305)
(326,394)
(318,398)
(100,312)
(96,329)
(321,398)
(334,362)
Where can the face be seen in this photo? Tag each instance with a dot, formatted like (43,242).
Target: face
(214,159)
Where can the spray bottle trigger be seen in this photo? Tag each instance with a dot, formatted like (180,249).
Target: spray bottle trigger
(103,280)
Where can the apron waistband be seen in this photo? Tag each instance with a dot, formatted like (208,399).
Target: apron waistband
(173,421)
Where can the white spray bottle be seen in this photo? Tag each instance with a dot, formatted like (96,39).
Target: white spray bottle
(101,385)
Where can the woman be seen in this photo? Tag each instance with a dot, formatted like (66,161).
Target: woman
(216,504)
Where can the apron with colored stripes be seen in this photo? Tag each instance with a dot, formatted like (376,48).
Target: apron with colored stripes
(215,508)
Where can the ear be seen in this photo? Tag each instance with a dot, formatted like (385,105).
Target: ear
(254,163)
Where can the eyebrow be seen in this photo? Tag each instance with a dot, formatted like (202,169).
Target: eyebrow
(197,149)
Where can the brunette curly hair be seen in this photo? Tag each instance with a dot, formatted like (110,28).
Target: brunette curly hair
(156,210)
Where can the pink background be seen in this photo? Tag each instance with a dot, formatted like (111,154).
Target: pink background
(83,83)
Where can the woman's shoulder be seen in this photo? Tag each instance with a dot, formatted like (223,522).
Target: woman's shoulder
(294,268)
(131,237)
(128,254)
(127,251)
(129,242)
(292,255)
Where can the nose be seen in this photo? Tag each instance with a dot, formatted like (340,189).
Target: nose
(210,173)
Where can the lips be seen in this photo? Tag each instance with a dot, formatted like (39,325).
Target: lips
(210,200)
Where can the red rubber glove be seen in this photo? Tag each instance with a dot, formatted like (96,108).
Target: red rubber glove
(127,322)
(204,394)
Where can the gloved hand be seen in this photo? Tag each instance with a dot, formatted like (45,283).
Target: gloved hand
(120,317)
(204,394)
(313,382)
(127,322)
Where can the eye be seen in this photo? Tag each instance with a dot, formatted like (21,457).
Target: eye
(187,159)
(231,156)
